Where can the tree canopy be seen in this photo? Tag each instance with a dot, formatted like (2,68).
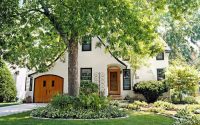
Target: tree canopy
(8,14)
(182,36)
(44,29)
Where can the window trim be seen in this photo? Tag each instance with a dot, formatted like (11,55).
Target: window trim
(129,79)
(81,73)
(87,44)
(163,56)
(157,73)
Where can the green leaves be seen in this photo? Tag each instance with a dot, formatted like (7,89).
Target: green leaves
(7,85)
(183,78)
(43,28)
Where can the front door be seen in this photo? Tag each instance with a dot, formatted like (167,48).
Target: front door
(46,87)
(114,81)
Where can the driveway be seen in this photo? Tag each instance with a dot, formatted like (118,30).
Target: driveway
(14,109)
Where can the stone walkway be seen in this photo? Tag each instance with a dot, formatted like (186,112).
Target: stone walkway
(14,109)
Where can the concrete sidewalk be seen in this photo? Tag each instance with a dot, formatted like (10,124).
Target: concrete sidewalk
(14,109)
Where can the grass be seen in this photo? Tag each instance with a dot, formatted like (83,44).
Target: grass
(8,104)
(134,119)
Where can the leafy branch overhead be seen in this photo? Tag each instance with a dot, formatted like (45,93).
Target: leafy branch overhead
(43,28)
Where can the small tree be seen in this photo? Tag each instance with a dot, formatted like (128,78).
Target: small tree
(182,78)
(7,84)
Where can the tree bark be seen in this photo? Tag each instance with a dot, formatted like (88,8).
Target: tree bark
(73,84)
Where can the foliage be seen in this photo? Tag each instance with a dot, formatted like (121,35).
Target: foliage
(182,78)
(186,118)
(182,36)
(185,99)
(183,113)
(136,105)
(88,87)
(156,110)
(92,101)
(82,107)
(193,120)
(44,29)
(151,90)
(7,84)
(189,100)
(193,108)
(8,10)
(164,105)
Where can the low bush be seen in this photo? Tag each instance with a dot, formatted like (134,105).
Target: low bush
(164,105)
(151,90)
(82,107)
(184,100)
(156,110)
(183,113)
(189,100)
(136,105)
(87,87)
(193,108)
(93,101)
(192,120)
(185,117)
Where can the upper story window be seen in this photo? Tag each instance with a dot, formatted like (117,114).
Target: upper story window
(86,74)
(160,74)
(160,56)
(86,43)
(126,79)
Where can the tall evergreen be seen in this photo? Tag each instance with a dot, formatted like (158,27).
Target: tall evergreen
(7,85)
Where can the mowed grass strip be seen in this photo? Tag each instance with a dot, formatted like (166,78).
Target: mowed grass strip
(135,118)
(8,104)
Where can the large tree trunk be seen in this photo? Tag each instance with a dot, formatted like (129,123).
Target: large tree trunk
(73,84)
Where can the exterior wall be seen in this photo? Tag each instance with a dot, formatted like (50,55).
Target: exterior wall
(99,61)
(145,73)
(96,59)
(19,79)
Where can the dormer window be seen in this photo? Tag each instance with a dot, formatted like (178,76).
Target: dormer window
(160,56)
(86,43)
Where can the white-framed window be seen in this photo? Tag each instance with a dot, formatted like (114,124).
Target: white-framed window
(160,56)
(87,43)
(86,74)
(126,79)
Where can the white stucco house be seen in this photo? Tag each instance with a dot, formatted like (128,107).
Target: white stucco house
(114,76)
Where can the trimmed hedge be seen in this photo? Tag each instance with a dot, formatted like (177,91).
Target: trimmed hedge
(7,85)
(151,90)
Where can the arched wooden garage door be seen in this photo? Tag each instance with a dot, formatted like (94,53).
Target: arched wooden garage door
(46,87)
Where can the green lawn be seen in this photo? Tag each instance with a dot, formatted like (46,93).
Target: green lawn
(134,119)
(8,104)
